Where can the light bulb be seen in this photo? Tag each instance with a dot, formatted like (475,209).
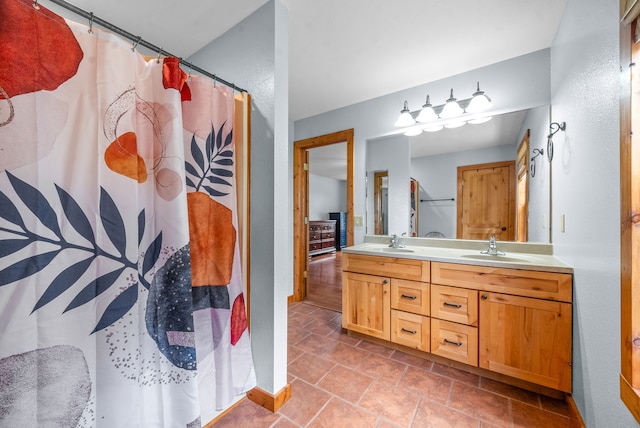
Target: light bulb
(479,102)
(451,108)
(427,114)
(405,118)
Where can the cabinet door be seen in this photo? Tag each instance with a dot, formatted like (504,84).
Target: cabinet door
(366,304)
(526,338)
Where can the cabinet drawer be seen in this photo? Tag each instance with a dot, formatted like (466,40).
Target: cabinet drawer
(417,270)
(454,341)
(314,236)
(528,283)
(315,246)
(410,296)
(454,304)
(410,330)
(328,235)
(328,244)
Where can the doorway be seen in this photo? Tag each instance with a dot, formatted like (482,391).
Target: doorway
(380,202)
(486,199)
(301,203)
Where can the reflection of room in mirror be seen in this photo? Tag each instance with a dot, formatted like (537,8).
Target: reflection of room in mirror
(433,160)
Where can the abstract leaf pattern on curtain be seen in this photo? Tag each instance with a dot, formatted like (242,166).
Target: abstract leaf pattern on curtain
(97,321)
(220,318)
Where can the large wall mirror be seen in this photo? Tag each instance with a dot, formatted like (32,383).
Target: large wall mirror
(433,160)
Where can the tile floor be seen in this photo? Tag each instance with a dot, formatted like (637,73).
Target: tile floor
(341,381)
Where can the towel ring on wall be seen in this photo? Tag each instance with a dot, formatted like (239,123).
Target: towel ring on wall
(558,127)
(532,167)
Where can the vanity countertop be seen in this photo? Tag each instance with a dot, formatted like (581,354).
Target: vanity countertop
(537,257)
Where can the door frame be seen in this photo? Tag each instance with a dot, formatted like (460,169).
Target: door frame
(301,203)
(522,199)
(377,201)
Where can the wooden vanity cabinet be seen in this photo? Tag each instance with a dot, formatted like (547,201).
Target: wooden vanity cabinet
(510,321)
(525,320)
(366,304)
(526,338)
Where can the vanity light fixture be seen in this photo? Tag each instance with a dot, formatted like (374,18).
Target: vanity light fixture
(455,124)
(480,120)
(405,119)
(553,129)
(451,109)
(427,114)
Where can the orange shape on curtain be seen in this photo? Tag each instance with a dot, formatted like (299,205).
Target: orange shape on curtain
(122,157)
(213,240)
(238,319)
(174,77)
(39,51)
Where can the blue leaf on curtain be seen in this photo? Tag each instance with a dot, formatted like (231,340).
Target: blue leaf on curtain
(191,170)
(197,154)
(224,162)
(213,192)
(141,226)
(63,282)
(76,216)
(27,267)
(226,153)
(118,307)
(222,172)
(9,212)
(36,202)
(10,246)
(219,136)
(112,222)
(95,288)
(209,142)
(229,139)
(152,254)
(217,180)
(190,183)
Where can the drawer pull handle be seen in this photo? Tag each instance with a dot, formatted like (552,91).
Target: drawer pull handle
(409,331)
(453,305)
(450,342)
(407,296)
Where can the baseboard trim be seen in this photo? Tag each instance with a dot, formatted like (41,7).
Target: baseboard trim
(270,401)
(574,413)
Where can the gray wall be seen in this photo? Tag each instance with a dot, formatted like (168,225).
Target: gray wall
(438,179)
(516,84)
(585,72)
(326,195)
(254,54)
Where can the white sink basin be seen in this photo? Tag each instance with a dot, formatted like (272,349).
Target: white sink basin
(495,258)
(395,250)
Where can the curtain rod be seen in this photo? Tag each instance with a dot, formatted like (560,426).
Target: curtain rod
(137,40)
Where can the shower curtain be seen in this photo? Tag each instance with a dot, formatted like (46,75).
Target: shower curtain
(120,287)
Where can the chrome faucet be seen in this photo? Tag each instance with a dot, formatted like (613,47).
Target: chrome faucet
(493,248)
(395,242)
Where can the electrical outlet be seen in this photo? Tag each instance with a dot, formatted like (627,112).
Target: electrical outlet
(358,220)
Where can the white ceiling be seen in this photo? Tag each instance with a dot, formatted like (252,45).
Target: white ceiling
(343,52)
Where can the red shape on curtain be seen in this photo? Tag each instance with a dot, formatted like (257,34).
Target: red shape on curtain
(238,319)
(38,49)
(174,77)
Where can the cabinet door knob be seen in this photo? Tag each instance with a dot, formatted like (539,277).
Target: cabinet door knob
(484,297)
(385,281)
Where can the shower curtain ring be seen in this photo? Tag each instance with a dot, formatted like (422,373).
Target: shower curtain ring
(35,5)
(159,52)
(90,22)
(135,45)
